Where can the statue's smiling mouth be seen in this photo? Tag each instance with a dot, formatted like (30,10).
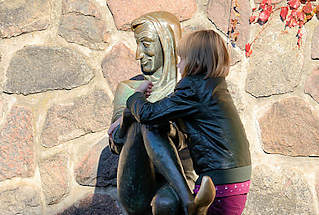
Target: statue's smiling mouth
(144,62)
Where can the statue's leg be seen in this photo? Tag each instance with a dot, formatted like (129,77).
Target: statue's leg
(164,156)
(135,177)
(166,202)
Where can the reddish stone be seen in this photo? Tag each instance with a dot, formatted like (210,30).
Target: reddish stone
(120,65)
(55,178)
(84,7)
(16,148)
(82,23)
(97,167)
(87,114)
(315,44)
(94,204)
(312,85)
(18,17)
(219,12)
(290,128)
(125,11)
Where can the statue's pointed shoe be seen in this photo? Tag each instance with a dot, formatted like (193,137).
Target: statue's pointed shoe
(205,196)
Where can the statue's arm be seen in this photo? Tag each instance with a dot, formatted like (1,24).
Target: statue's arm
(119,130)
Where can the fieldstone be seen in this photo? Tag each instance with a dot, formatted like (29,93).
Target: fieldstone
(315,44)
(112,69)
(37,69)
(93,204)
(276,62)
(312,83)
(84,7)
(125,11)
(290,128)
(279,191)
(317,184)
(55,178)
(16,148)
(18,17)
(218,12)
(87,114)
(82,23)
(236,96)
(24,199)
(98,167)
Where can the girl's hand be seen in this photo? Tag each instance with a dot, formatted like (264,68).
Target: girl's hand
(145,87)
(113,126)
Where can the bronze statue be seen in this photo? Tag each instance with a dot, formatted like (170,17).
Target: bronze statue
(151,178)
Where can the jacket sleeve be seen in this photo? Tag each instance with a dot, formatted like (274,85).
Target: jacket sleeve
(182,102)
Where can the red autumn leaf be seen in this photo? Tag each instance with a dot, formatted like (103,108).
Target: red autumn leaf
(253,10)
(291,21)
(248,50)
(263,16)
(283,13)
(300,15)
(294,4)
(307,8)
(252,19)
(293,13)
(266,2)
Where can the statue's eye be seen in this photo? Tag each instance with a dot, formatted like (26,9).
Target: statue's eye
(146,44)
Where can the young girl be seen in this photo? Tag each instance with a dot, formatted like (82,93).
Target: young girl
(204,110)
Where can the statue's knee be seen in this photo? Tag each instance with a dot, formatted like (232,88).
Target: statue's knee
(165,203)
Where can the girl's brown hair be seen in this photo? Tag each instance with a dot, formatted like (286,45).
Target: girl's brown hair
(204,52)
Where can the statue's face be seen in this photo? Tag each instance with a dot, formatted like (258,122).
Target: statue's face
(149,50)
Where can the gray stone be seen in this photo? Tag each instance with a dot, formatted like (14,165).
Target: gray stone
(312,83)
(97,167)
(94,204)
(55,178)
(219,12)
(125,11)
(276,62)
(24,199)
(317,184)
(290,128)
(236,96)
(18,17)
(87,114)
(16,148)
(37,69)
(315,44)
(113,72)
(279,191)
(82,23)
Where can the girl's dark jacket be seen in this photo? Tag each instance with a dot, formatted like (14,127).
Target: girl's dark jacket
(204,111)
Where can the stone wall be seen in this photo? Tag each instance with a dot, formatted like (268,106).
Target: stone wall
(60,61)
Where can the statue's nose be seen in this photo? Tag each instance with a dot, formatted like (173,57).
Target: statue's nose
(139,53)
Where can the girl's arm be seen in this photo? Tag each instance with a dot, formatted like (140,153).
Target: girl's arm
(183,102)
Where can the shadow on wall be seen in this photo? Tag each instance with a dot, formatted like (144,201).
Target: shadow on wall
(103,201)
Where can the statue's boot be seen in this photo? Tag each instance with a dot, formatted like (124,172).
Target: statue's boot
(205,196)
